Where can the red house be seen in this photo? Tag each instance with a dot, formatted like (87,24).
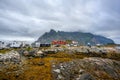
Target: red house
(59,42)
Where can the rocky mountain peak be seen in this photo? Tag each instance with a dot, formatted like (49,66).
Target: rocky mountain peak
(52,31)
(80,37)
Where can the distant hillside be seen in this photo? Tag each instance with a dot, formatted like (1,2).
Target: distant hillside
(82,38)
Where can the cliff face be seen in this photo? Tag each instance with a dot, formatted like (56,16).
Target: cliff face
(82,38)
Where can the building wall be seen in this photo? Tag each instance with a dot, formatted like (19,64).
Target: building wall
(59,42)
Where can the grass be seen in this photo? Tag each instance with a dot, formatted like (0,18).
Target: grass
(35,71)
(67,55)
(113,56)
(3,51)
(43,72)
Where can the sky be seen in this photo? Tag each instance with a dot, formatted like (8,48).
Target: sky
(29,19)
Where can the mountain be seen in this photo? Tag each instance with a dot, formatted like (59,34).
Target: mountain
(82,38)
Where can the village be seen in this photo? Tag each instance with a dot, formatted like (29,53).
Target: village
(13,44)
(20,44)
(57,43)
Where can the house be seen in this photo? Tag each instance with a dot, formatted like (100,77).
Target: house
(12,44)
(72,43)
(89,44)
(15,44)
(75,43)
(18,44)
(45,45)
(38,44)
(59,42)
(2,45)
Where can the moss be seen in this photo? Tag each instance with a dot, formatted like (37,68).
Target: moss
(3,51)
(115,56)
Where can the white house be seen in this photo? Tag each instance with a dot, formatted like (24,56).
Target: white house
(2,45)
(37,44)
(15,44)
(75,43)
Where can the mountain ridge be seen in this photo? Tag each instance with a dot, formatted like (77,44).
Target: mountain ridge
(82,37)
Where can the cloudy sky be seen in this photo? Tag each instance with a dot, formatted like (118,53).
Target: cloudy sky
(28,19)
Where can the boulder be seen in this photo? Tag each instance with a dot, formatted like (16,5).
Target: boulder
(93,68)
(40,54)
(25,53)
(12,56)
(86,76)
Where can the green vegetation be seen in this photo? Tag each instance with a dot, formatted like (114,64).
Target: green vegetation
(4,50)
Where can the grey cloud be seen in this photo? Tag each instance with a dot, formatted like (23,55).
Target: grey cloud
(31,18)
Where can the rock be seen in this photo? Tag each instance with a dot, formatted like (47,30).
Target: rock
(86,76)
(57,70)
(11,56)
(32,53)
(93,68)
(81,71)
(50,52)
(60,77)
(41,63)
(25,53)
(40,54)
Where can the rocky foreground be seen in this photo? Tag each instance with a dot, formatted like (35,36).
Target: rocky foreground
(72,63)
(87,69)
